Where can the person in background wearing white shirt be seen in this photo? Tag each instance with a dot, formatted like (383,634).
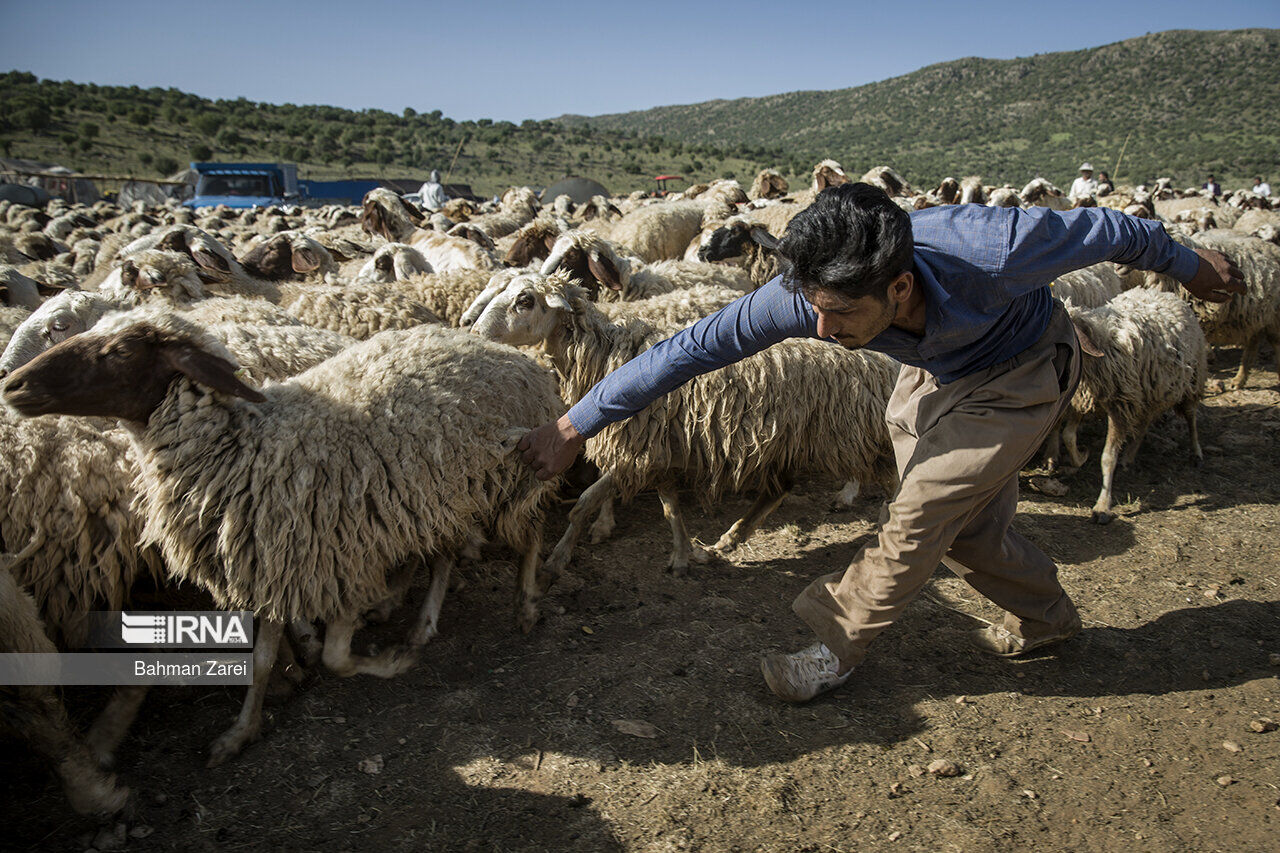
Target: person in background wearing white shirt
(1261,188)
(1212,187)
(1084,186)
(432,192)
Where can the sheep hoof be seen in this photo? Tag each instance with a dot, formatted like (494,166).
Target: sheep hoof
(600,531)
(1101,516)
(678,568)
(230,743)
(700,555)
(96,794)
(420,637)
(527,618)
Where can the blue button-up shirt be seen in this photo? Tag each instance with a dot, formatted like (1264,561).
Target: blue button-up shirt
(985,273)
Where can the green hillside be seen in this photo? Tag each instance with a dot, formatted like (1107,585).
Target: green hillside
(1193,101)
(150,133)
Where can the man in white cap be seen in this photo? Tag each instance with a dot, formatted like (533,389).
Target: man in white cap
(1084,186)
(432,192)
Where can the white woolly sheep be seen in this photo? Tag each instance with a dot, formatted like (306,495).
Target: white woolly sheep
(1244,319)
(389,216)
(409,436)
(1089,287)
(519,206)
(713,432)
(972,191)
(1041,193)
(887,179)
(1145,354)
(743,243)
(393,262)
(17,290)
(596,263)
(660,231)
(360,312)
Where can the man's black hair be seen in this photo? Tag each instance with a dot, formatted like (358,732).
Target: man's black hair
(852,241)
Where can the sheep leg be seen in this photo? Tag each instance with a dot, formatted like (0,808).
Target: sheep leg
(588,503)
(1246,361)
(400,581)
(429,616)
(1189,409)
(339,659)
(742,529)
(1102,509)
(682,549)
(1053,450)
(308,640)
(1131,449)
(110,727)
(847,495)
(529,591)
(603,526)
(248,725)
(43,723)
(1069,428)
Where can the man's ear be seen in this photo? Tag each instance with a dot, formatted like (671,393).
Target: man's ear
(900,287)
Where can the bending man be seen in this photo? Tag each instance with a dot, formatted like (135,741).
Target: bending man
(960,296)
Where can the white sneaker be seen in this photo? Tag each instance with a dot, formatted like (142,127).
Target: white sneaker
(802,675)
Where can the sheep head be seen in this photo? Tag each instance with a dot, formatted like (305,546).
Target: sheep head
(531,309)
(735,238)
(828,173)
(285,257)
(169,275)
(125,374)
(534,242)
(65,315)
(590,260)
(386,214)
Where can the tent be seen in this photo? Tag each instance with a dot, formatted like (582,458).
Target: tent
(579,189)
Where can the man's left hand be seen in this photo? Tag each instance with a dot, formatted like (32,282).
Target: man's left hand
(1217,278)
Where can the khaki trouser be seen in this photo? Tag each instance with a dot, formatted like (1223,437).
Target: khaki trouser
(959,449)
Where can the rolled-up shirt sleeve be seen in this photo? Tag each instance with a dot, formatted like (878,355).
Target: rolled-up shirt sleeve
(1044,244)
(743,328)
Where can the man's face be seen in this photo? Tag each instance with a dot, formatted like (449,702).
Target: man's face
(1086,174)
(851,322)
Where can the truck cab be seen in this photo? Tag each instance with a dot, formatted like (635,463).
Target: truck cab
(243,185)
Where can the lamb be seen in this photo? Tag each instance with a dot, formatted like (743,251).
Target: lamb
(36,714)
(393,262)
(387,215)
(408,434)
(1145,353)
(714,431)
(1246,318)
(360,312)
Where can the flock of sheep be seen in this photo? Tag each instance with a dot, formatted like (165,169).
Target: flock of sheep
(304,413)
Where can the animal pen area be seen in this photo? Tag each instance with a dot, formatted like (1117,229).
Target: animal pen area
(632,716)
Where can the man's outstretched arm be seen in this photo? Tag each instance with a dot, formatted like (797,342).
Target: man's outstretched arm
(745,327)
(1044,244)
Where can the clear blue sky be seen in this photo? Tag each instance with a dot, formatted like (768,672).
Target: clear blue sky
(518,60)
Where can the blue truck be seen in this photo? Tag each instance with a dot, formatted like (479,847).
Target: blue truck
(276,184)
(242,185)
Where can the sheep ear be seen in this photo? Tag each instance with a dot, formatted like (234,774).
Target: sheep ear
(47,290)
(604,270)
(415,216)
(129,274)
(1087,345)
(762,236)
(588,212)
(305,260)
(209,370)
(210,261)
(559,301)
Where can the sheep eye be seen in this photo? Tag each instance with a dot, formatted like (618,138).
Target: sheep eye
(524,301)
(58,325)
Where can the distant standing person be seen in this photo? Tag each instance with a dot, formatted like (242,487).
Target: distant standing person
(1105,186)
(1261,188)
(432,192)
(1212,187)
(1084,186)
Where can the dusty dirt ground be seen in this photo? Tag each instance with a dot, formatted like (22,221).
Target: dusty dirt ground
(1135,735)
